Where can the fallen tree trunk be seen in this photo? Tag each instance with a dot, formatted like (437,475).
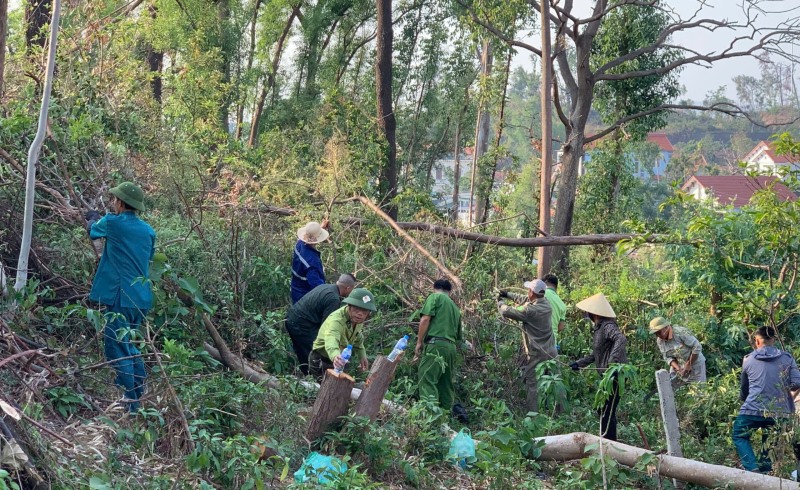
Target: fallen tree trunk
(331,403)
(378,381)
(568,447)
(542,241)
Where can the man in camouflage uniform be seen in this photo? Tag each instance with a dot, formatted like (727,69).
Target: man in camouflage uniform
(535,313)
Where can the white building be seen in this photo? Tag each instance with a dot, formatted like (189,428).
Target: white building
(764,160)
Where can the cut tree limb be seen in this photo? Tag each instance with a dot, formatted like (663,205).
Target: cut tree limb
(378,381)
(375,209)
(332,402)
(578,445)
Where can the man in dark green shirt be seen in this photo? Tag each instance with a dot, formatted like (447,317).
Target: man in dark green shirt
(439,330)
(306,316)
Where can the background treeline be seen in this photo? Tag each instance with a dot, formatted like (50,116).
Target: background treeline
(242,120)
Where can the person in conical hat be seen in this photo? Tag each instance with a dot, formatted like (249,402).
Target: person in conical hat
(598,305)
(608,347)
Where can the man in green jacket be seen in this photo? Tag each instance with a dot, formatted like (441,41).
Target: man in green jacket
(439,331)
(343,327)
(305,317)
(535,314)
(559,315)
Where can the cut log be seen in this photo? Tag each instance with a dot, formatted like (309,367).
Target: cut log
(332,402)
(542,241)
(380,377)
(569,447)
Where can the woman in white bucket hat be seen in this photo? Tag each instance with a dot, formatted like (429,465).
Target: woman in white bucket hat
(608,347)
(307,272)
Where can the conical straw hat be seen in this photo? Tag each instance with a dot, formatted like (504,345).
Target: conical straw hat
(597,304)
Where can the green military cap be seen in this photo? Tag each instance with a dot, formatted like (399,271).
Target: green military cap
(129,193)
(361,298)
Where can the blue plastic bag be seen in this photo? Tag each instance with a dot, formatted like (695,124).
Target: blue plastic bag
(325,468)
(462,449)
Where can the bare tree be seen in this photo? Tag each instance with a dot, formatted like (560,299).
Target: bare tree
(33,154)
(580,78)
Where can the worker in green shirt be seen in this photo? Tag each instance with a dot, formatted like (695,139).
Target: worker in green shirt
(439,330)
(343,327)
(559,308)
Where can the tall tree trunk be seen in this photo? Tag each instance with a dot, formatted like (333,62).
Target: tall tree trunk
(223,16)
(488,186)
(386,119)
(580,89)
(37,15)
(457,169)
(477,205)
(155,62)
(250,55)
(252,141)
(3,35)
(33,156)
(544,254)
(409,153)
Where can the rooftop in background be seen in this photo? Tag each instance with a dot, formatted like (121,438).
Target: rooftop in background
(767,148)
(661,140)
(736,190)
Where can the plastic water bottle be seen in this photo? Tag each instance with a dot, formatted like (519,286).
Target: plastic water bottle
(345,355)
(399,347)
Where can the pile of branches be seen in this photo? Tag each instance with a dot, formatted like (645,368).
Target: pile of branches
(34,449)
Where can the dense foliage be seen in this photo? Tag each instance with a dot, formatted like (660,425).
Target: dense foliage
(244,120)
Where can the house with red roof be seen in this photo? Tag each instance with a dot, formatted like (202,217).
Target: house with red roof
(659,167)
(763,159)
(656,169)
(734,190)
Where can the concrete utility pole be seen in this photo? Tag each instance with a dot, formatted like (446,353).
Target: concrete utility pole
(33,154)
(544,253)
(669,414)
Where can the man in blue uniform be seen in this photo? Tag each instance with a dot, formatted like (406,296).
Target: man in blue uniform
(307,270)
(122,285)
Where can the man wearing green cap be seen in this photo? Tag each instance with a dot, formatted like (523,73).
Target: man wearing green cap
(343,327)
(121,284)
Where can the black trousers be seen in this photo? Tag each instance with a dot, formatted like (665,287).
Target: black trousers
(608,413)
(317,365)
(302,339)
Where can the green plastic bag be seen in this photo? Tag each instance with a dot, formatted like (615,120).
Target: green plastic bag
(324,468)
(462,449)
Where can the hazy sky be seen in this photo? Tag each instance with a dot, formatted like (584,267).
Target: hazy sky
(698,80)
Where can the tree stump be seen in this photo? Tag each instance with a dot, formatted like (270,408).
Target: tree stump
(332,402)
(380,377)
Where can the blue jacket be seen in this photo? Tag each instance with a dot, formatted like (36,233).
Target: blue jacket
(767,376)
(307,270)
(124,266)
